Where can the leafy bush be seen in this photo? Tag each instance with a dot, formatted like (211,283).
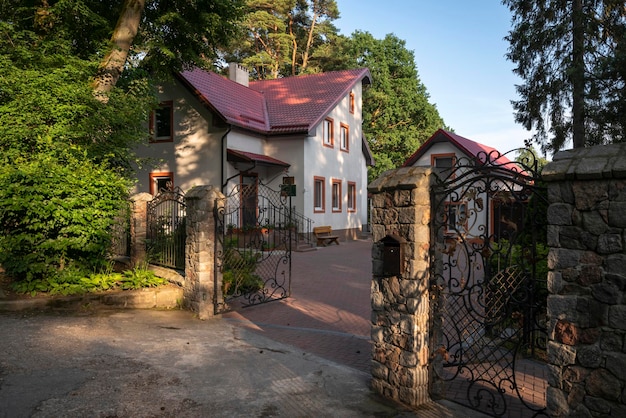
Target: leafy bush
(57,214)
(65,157)
(238,272)
(72,281)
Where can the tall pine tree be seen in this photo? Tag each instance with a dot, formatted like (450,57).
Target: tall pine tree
(566,53)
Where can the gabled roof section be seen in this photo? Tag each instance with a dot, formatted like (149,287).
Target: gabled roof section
(472,149)
(282,106)
(299,103)
(234,102)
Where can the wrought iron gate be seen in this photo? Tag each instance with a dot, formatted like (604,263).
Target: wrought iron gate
(254,235)
(165,233)
(488,282)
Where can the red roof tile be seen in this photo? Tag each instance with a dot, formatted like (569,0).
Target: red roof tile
(284,105)
(236,103)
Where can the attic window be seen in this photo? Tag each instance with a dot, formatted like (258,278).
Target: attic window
(162,123)
(351,102)
(442,160)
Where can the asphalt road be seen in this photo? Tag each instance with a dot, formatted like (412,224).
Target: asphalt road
(150,363)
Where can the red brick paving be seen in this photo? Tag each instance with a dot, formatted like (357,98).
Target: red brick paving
(328,313)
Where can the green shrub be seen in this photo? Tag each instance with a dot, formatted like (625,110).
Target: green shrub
(239,270)
(56,214)
(72,281)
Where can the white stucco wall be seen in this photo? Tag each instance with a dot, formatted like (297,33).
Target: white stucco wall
(194,156)
(335,164)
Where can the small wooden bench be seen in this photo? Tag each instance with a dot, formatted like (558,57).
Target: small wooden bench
(324,235)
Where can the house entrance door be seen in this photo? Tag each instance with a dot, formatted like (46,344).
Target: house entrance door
(488,286)
(249,201)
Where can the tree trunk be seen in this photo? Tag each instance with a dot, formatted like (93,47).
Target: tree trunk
(112,65)
(294,44)
(578,75)
(309,41)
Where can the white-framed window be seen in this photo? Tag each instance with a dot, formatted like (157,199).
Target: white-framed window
(344,137)
(329,140)
(162,123)
(336,195)
(318,194)
(351,196)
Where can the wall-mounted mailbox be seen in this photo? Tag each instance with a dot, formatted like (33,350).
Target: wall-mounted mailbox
(393,255)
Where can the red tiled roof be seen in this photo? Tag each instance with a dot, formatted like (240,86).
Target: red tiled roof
(236,103)
(470,148)
(245,156)
(284,105)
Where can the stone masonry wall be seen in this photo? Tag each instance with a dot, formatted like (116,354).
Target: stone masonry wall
(400,307)
(138,228)
(199,289)
(587,282)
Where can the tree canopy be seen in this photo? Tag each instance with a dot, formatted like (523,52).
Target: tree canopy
(570,55)
(67,158)
(397,114)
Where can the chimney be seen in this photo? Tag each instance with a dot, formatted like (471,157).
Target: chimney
(238,73)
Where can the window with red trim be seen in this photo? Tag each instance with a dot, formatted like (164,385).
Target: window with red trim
(336,195)
(351,196)
(329,140)
(161,181)
(344,137)
(318,194)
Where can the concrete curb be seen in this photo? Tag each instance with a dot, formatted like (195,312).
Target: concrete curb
(163,297)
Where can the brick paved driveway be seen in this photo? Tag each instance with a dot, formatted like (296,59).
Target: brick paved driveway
(328,313)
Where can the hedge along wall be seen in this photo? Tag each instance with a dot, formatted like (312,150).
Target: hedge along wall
(587,282)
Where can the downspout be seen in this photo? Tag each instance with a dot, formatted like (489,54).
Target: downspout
(222,159)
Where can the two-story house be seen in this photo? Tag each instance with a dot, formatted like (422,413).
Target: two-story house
(234,133)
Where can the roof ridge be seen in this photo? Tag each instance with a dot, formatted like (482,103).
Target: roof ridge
(286,105)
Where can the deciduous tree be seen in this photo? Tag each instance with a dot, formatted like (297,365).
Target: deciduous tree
(398,116)
(67,157)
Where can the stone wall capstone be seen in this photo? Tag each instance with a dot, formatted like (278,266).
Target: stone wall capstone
(587,282)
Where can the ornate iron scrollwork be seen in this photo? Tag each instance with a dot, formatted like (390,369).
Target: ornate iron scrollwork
(488,282)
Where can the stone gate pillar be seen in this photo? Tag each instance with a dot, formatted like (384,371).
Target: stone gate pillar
(400,307)
(138,228)
(199,289)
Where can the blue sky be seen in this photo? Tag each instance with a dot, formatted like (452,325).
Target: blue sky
(459,52)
